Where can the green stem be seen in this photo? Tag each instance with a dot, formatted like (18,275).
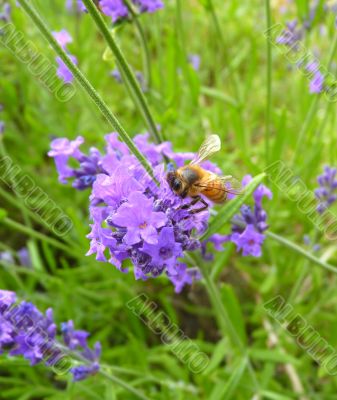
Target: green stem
(306,124)
(30,232)
(269,81)
(143,43)
(123,65)
(298,249)
(216,23)
(83,81)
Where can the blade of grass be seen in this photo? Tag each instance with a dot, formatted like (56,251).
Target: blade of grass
(86,85)
(143,43)
(269,80)
(123,65)
(298,249)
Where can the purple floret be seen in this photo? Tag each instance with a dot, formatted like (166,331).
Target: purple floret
(327,191)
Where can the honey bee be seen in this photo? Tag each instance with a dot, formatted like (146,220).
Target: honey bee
(193,180)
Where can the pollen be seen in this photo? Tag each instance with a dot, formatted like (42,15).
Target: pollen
(143,225)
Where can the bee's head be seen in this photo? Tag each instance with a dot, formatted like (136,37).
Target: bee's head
(174,182)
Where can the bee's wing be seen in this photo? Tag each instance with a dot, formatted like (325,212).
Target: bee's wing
(231,185)
(211,145)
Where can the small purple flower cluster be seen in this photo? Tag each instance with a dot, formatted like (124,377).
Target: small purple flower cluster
(77,4)
(139,76)
(133,218)
(317,78)
(21,255)
(25,331)
(248,227)
(292,35)
(89,166)
(117,9)
(327,191)
(63,38)
(5,14)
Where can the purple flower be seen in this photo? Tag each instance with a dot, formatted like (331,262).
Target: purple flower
(25,331)
(139,219)
(327,191)
(63,38)
(77,3)
(5,15)
(165,251)
(63,72)
(115,9)
(248,227)
(24,257)
(291,36)
(7,257)
(139,76)
(194,60)
(149,6)
(249,241)
(132,218)
(89,166)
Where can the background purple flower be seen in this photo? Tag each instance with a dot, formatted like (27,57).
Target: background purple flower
(117,10)
(25,331)
(63,38)
(327,191)
(249,225)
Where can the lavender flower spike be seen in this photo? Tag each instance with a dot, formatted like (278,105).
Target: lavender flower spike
(25,331)
(327,191)
(132,218)
(248,227)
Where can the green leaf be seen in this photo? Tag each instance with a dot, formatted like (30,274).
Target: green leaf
(232,207)
(3,214)
(234,310)
(226,392)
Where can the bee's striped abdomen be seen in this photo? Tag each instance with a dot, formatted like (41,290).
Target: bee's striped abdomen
(215,191)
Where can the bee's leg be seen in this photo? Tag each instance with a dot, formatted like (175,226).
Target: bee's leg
(192,203)
(195,201)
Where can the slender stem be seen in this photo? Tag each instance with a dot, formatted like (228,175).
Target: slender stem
(143,43)
(131,80)
(301,251)
(31,232)
(83,81)
(269,80)
(216,23)
(123,384)
(306,124)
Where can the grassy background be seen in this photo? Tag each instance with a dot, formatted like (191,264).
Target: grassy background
(227,96)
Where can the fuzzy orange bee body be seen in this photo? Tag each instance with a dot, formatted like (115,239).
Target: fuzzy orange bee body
(192,180)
